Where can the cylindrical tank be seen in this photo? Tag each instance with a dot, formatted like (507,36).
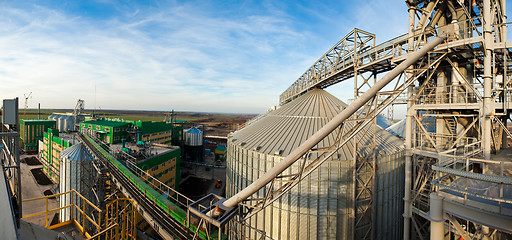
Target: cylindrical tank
(60,123)
(65,120)
(69,123)
(194,144)
(322,206)
(193,137)
(75,173)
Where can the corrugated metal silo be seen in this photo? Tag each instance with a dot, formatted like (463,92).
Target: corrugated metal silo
(75,173)
(69,123)
(194,144)
(193,137)
(322,205)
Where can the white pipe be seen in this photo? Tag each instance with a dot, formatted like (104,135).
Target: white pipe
(426,15)
(504,20)
(439,13)
(329,127)
(452,10)
(408,137)
(487,108)
(436,217)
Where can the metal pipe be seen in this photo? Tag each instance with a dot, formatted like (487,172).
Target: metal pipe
(452,10)
(504,20)
(426,15)
(436,217)
(487,108)
(408,137)
(330,126)
(408,171)
(439,13)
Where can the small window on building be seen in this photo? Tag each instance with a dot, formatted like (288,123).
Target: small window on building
(90,126)
(98,127)
(116,129)
(107,129)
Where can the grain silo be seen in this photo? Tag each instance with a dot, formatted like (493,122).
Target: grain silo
(323,205)
(76,172)
(194,144)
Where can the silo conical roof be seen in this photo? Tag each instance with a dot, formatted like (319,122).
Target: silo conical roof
(76,153)
(193,130)
(285,128)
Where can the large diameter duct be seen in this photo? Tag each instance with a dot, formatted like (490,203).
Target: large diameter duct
(426,15)
(330,126)
(439,13)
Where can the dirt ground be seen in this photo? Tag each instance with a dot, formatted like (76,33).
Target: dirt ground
(222,126)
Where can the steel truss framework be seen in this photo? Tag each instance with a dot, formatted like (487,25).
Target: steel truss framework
(458,114)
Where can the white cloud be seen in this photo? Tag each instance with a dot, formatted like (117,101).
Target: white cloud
(185,57)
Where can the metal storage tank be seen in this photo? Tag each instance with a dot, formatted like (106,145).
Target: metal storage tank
(193,145)
(60,123)
(322,206)
(193,137)
(76,172)
(69,123)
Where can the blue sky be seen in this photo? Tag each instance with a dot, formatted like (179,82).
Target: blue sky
(209,56)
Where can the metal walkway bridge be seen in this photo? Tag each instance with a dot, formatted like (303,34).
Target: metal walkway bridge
(356,54)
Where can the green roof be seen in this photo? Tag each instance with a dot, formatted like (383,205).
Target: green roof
(148,127)
(107,123)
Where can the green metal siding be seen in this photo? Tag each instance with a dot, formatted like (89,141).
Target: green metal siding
(112,129)
(31,131)
(157,160)
(148,127)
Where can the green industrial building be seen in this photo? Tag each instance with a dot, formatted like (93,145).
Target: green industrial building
(157,132)
(53,145)
(108,131)
(31,131)
(113,130)
(165,167)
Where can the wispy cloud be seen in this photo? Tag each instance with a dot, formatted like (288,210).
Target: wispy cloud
(188,56)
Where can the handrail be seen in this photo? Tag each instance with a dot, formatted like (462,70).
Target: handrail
(78,208)
(115,225)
